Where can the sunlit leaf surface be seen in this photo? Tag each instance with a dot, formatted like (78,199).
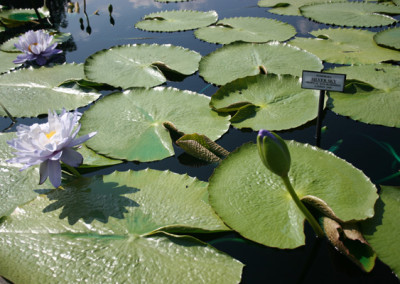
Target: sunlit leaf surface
(351,14)
(176,20)
(34,91)
(279,102)
(254,202)
(388,38)
(105,224)
(139,134)
(288,7)
(346,46)
(382,231)
(378,104)
(238,60)
(140,65)
(248,29)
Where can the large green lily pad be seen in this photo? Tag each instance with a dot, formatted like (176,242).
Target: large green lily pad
(6,59)
(388,38)
(17,17)
(248,29)
(140,65)
(346,46)
(34,91)
(238,60)
(129,125)
(351,14)
(106,224)
(288,7)
(382,231)
(176,20)
(254,202)
(379,103)
(277,102)
(16,187)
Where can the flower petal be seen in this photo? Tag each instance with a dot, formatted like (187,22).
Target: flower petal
(44,172)
(54,170)
(71,157)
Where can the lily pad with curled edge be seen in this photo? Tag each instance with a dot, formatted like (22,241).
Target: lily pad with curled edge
(373,98)
(388,38)
(238,60)
(254,202)
(382,231)
(288,7)
(34,91)
(113,229)
(140,65)
(176,20)
(139,134)
(6,59)
(351,14)
(346,46)
(247,29)
(278,102)
(16,187)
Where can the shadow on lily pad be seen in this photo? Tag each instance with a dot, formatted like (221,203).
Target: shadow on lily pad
(90,199)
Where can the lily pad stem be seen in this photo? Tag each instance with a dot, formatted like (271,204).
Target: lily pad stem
(72,170)
(310,218)
(7,112)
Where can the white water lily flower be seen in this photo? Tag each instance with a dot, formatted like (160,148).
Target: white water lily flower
(48,143)
(36,45)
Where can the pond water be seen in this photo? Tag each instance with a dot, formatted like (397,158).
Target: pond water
(351,140)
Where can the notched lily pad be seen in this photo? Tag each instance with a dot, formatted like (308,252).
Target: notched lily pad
(272,102)
(176,20)
(247,29)
(351,14)
(140,65)
(389,38)
(33,91)
(141,113)
(346,46)
(17,17)
(104,222)
(372,97)
(254,202)
(238,60)
(288,7)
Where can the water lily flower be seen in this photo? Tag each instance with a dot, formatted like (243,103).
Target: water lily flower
(274,152)
(36,45)
(49,143)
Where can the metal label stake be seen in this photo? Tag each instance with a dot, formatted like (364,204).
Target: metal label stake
(323,82)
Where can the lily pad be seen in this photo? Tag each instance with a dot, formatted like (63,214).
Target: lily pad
(92,159)
(382,231)
(140,65)
(16,187)
(139,134)
(254,202)
(6,59)
(388,38)
(172,1)
(17,17)
(247,29)
(377,104)
(8,46)
(288,7)
(351,14)
(176,20)
(106,224)
(346,46)
(31,92)
(280,102)
(238,60)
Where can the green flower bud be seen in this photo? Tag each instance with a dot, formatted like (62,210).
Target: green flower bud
(274,152)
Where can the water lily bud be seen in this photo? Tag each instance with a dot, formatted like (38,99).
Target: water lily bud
(274,152)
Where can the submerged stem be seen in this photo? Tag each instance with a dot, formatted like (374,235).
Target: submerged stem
(72,170)
(310,218)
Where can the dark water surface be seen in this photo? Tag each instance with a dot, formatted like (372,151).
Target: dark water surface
(317,262)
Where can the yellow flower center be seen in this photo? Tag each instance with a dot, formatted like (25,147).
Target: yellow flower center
(29,47)
(50,134)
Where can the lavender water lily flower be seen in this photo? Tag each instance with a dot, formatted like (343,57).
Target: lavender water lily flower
(36,45)
(49,143)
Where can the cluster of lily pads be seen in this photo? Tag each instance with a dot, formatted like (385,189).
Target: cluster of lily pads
(136,225)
